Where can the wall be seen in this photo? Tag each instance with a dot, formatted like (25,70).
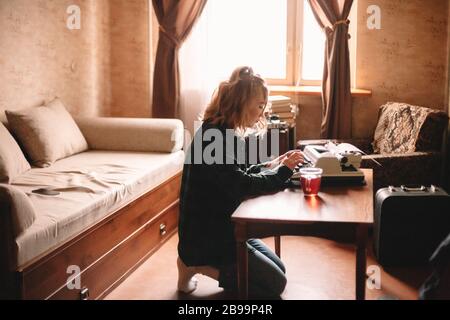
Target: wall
(101,69)
(130,58)
(40,58)
(404,61)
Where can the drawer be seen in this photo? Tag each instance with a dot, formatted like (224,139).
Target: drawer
(100,278)
(47,275)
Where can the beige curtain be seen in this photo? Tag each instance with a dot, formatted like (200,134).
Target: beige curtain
(176,19)
(336,96)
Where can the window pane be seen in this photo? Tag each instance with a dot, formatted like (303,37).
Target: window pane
(313,46)
(250,32)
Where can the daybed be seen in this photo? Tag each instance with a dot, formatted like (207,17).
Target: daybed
(117,203)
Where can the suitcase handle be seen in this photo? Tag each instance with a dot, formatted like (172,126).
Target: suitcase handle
(409,188)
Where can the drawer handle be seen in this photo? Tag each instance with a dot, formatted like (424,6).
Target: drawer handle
(162,229)
(84,294)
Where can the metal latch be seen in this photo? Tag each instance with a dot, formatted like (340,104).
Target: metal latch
(84,294)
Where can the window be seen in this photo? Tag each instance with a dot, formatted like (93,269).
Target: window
(279,38)
(312,46)
(249,32)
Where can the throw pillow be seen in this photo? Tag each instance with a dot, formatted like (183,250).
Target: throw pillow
(47,133)
(12,160)
(399,127)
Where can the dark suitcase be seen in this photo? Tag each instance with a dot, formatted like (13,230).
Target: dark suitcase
(409,224)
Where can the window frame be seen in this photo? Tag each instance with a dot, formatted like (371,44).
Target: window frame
(294,58)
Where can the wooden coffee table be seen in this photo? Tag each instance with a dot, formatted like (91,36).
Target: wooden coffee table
(289,212)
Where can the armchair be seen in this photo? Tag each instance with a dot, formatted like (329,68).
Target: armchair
(407,143)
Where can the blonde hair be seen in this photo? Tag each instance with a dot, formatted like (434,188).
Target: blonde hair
(229,104)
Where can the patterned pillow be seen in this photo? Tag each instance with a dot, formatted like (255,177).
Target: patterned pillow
(404,128)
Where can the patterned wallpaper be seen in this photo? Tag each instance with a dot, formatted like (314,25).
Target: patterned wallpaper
(101,69)
(405,61)
(41,58)
(130,58)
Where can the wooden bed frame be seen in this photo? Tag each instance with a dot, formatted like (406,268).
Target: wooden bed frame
(105,253)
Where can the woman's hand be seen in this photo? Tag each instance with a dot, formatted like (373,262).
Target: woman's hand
(292,159)
(284,157)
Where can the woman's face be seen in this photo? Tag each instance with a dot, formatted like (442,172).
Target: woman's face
(256,109)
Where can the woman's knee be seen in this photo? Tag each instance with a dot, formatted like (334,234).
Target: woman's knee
(259,245)
(278,284)
(268,288)
(266,275)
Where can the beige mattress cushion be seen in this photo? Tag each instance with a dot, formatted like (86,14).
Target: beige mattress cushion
(47,133)
(133,134)
(92,185)
(12,160)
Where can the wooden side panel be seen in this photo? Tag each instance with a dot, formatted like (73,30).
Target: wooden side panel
(42,278)
(108,272)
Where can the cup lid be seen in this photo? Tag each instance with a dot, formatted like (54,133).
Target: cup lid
(316,171)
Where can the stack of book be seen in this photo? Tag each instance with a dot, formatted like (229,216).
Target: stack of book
(284,108)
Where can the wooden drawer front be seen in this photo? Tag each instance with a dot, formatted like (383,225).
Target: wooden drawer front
(109,271)
(50,273)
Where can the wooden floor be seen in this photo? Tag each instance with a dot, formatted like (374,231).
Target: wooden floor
(317,269)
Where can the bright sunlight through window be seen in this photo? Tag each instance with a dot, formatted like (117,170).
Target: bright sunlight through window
(280,39)
(250,32)
(313,46)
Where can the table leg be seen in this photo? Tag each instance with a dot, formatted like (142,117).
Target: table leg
(242,260)
(278,246)
(361,262)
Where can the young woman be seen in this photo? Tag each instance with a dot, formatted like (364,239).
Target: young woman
(213,188)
